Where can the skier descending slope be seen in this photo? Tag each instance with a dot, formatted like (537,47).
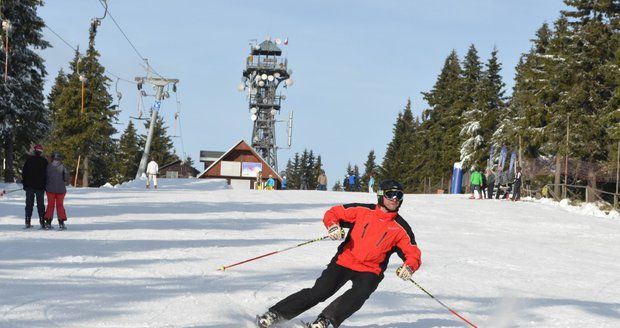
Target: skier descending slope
(375,232)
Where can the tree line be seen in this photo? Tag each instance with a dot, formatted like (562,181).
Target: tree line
(567,81)
(79,118)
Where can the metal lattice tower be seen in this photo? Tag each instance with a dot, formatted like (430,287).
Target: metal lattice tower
(265,70)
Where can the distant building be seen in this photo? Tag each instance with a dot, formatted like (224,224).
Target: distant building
(239,166)
(177,169)
(208,157)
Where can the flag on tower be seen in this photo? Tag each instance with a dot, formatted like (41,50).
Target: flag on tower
(286,42)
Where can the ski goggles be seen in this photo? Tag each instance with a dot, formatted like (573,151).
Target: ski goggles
(393,194)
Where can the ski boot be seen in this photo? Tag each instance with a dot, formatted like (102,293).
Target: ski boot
(268,319)
(61,224)
(320,322)
(42,223)
(28,225)
(48,224)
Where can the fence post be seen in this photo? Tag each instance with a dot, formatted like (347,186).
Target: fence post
(587,189)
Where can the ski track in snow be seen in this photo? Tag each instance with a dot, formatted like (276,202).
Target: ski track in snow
(148,258)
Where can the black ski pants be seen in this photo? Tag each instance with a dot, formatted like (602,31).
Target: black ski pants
(330,281)
(490,189)
(516,195)
(30,195)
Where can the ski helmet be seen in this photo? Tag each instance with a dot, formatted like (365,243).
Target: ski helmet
(390,185)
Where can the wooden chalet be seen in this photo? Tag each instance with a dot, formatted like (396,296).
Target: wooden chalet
(177,169)
(239,166)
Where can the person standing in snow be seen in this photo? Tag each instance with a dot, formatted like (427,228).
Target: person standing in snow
(322,181)
(271,183)
(352,183)
(57,179)
(516,185)
(476,182)
(490,183)
(371,183)
(284,183)
(376,231)
(151,173)
(33,181)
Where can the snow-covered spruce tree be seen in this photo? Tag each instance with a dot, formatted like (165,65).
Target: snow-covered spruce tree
(481,118)
(442,122)
(24,119)
(129,153)
(590,56)
(532,97)
(86,133)
(162,147)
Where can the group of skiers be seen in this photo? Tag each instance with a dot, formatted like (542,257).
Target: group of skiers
(352,182)
(489,186)
(376,231)
(50,178)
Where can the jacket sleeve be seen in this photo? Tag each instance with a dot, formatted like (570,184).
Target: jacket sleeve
(65,175)
(25,173)
(339,215)
(407,248)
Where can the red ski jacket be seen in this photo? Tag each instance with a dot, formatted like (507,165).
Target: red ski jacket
(373,237)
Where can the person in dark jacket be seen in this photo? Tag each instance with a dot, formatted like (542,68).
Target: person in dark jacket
(376,231)
(33,180)
(490,183)
(55,188)
(516,185)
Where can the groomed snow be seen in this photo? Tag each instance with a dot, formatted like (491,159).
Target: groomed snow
(133,257)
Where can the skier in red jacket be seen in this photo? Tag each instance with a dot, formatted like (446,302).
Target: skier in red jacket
(376,231)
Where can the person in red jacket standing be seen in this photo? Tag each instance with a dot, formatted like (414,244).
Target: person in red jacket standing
(376,231)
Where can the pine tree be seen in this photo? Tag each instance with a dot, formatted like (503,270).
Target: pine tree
(129,153)
(482,117)
(189,161)
(396,163)
(592,45)
(293,173)
(162,147)
(83,125)
(441,124)
(370,168)
(24,119)
(310,171)
(532,97)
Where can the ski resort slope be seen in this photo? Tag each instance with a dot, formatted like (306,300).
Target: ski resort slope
(133,257)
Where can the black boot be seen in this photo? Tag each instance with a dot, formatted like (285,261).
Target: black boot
(42,223)
(61,224)
(28,225)
(48,224)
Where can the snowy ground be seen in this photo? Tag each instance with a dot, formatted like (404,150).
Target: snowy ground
(148,258)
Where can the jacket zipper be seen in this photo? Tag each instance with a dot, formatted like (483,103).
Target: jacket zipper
(380,240)
(364,231)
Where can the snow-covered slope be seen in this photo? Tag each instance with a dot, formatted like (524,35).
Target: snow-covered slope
(133,257)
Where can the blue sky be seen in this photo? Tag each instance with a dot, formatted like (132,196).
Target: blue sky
(354,63)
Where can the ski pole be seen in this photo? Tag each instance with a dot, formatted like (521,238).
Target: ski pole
(440,302)
(8,191)
(224,267)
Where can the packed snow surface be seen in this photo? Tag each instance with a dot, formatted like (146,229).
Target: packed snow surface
(133,257)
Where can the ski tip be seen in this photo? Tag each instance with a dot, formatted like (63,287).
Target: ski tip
(222,268)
